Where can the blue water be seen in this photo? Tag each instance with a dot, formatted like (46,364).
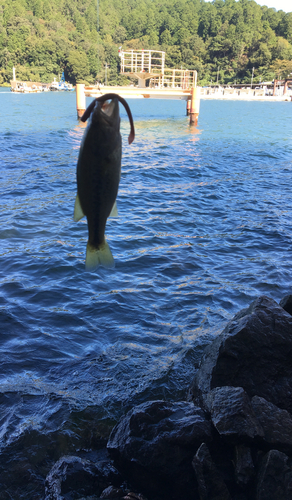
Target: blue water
(204,227)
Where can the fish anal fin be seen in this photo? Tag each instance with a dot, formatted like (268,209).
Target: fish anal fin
(100,256)
(114,210)
(78,212)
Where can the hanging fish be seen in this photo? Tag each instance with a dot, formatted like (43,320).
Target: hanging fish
(98,174)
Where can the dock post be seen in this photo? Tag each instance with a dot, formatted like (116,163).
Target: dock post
(80,99)
(188,107)
(195,105)
(274,90)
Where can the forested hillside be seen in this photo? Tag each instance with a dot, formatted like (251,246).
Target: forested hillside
(41,38)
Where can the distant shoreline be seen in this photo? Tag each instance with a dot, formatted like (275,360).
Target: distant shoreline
(243,94)
(269,98)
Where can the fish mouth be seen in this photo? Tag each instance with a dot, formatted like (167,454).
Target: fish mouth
(108,107)
(108,112)
(103,98)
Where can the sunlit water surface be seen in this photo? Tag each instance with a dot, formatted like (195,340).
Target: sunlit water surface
(204,228)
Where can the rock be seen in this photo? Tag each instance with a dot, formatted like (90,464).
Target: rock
(286,303)
(46,430)
(243,465)
(276,423)
(254,352)
(275,477)
(74,475)
(232,414)
(210,483)
(154,444)
(91,497)
(134,496)
(112,493)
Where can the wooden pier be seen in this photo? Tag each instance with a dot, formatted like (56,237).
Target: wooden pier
(132,92)
(149,66)
(162,83)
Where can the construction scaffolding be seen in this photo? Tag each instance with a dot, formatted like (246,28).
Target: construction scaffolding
(175,79)
(134,62)
(150,65)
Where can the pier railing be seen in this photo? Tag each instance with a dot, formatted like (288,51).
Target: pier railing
(175,78)
(140,61)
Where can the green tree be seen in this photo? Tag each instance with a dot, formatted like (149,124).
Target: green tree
(77,66)
(282,68)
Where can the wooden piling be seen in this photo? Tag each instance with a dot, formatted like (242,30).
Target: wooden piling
(274,89)
(188,107)
(195,105)
(80,100)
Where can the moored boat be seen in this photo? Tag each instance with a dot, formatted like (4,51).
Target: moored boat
(62,85)
(28,87)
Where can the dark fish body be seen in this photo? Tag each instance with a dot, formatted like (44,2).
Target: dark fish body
(98,177)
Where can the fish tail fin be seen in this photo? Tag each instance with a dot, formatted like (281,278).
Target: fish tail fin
(100,256)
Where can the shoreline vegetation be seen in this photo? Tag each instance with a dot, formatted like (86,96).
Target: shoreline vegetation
(225,41)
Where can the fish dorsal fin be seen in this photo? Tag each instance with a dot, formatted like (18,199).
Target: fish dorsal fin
(78,212)
(114,210)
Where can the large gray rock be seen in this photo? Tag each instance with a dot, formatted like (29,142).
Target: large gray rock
(73,476)
(276,423)
(286,303)
(232,414)
(254,352)
(243,465)
(111,493)
(275,477)
(154,443)
(211,485)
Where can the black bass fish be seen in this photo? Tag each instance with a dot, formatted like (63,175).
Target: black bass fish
(98,174)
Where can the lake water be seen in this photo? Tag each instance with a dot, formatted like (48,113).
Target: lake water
(204,227)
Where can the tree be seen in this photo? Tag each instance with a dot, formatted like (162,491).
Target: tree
(282,68)
(282,49)
(285,27)
(77,66)
(44,36)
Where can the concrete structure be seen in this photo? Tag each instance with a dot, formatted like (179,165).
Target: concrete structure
(281,83)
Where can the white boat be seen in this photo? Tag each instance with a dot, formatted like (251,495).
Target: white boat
(23,88)
(62,85)
(27,87)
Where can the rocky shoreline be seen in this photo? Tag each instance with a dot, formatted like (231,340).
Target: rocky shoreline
(231,440)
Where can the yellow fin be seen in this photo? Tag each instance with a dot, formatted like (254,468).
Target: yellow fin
(78,212)
(114,211)
(99,257)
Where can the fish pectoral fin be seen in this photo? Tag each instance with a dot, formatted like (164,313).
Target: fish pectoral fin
(78,212)
(100,256)
(114,210)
